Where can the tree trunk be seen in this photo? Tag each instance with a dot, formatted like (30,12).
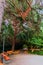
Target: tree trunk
(13,44)
(15,32)
(2,3)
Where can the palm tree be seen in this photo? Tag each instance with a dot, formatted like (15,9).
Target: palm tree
(21,13)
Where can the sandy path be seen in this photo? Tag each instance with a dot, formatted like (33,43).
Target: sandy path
(23,59)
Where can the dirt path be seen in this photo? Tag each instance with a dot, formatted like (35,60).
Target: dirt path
(23,59)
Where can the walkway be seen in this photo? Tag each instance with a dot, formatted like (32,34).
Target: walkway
(23,59)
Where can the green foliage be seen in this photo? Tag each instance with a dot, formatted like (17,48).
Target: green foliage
(7,30)
(37,41)
(24,46)
(26,35)
(40,52)
(21,36)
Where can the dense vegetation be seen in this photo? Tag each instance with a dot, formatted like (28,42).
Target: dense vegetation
(25,24)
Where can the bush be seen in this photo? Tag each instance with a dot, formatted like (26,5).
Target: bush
(40,52)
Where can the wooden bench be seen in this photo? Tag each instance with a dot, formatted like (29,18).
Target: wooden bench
(35,50)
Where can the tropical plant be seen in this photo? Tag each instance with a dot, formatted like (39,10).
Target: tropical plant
(37,41)
(21,11)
